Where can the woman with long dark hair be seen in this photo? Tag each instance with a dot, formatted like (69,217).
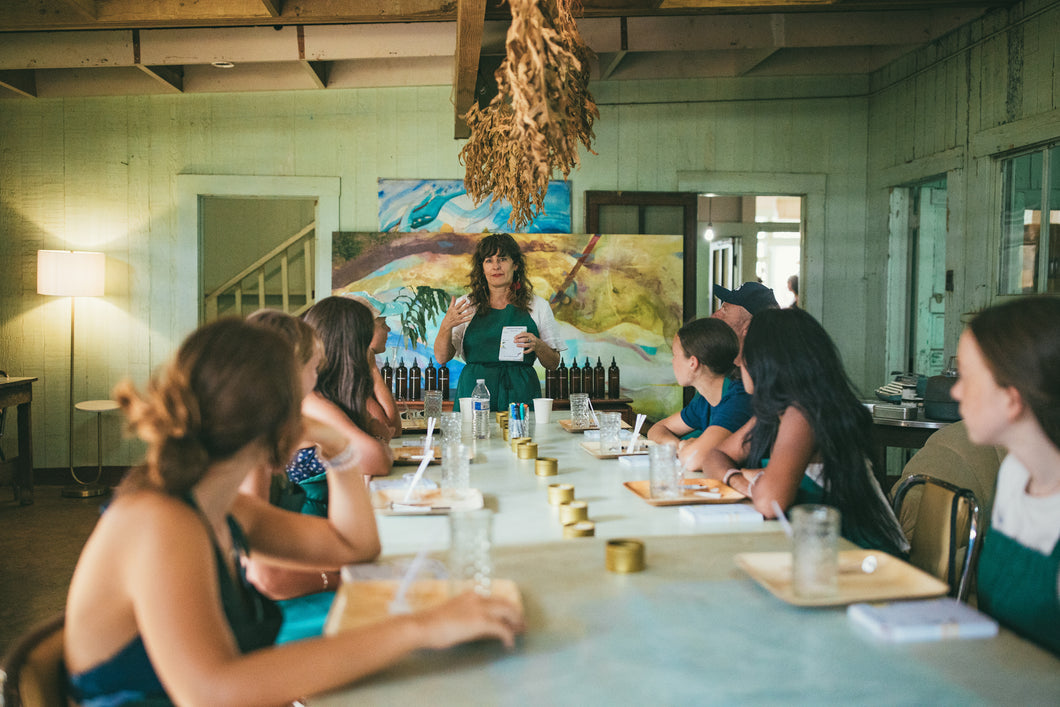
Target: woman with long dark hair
(704,351)
(343,394)
(1009,394)
(500,297)
(810,440)
(159,610)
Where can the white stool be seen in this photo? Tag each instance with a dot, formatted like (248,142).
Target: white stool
(89,489)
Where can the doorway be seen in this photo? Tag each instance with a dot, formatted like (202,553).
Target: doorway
(186,265)
(752,237)
(926,352)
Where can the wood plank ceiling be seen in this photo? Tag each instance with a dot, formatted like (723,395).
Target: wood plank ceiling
(60,48)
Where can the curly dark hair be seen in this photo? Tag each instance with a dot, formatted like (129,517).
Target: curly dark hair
(522,291)
(231,383)
(793,362)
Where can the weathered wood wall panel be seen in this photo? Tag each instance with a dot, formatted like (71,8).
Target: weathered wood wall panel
(979,93)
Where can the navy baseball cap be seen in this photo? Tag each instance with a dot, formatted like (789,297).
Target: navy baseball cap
(752,296)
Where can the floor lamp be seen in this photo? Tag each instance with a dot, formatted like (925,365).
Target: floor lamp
(72,274)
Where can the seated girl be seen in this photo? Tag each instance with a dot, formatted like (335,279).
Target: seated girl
(338,457)
(343,395)
(159,609)
(810,438)
(1009,395)
(704,350)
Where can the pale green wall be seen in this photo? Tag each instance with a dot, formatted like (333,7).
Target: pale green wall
(100,174)
(956,108)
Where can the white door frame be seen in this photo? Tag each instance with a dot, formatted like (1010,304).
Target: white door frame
(191,188)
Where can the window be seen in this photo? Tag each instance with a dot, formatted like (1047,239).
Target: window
(1030,253)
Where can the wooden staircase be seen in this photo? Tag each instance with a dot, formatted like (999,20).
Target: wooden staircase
(267,282)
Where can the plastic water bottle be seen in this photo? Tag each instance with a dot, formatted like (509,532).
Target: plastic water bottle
(480,402)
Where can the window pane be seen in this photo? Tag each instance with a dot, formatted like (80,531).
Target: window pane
(778,209)
(664,220)
(1020,224)
(620,219)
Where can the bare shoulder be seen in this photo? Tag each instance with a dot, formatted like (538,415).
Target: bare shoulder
(154,518)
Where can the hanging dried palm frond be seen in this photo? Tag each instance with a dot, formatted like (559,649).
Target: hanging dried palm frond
(541,111)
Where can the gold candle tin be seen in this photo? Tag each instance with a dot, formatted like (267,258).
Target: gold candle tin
(546,466)
(516,441)
(580,529)
(527,450)
(573,511)
(625,555)
(560,493)
(502,419)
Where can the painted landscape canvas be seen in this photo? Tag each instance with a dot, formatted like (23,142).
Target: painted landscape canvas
(441,205)
(614,296)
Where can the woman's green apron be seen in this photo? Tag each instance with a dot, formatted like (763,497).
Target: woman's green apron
(1018,586)
(508,381)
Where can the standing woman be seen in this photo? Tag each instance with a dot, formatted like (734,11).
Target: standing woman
(501,296)
(1009,394)
(704,351)
(159,610)
(810,440)
(343,394)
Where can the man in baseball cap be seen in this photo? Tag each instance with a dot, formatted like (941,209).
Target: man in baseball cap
(738,306)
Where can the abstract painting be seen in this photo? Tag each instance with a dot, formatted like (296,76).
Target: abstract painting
(614,296)
(442,205)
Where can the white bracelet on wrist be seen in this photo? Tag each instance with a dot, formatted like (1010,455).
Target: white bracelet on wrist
(728,475)
(344,460)
(751,485)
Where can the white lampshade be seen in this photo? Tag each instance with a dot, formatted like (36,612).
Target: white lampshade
(68,273)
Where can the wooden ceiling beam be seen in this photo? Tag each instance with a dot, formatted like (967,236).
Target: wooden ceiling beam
(170,76)
(273,7)
(470,16)
(86,8)
(21,81)
(317,70)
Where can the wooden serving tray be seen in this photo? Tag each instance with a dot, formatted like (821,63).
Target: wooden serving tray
(412,456)
(594,449)
(893,578)
(424,502)
(366,602)
(569,426)
(688,496)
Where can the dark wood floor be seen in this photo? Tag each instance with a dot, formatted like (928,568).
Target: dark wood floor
(39,546)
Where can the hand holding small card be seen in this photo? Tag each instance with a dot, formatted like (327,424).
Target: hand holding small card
(510,351)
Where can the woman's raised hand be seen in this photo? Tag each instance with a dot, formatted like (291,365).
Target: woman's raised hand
(470,617)
(459,312)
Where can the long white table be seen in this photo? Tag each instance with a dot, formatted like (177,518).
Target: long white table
(519,498)
(691,628)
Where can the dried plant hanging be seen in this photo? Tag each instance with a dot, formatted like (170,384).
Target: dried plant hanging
(542,109)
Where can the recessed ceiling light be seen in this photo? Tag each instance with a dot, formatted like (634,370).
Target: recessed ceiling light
(222,64)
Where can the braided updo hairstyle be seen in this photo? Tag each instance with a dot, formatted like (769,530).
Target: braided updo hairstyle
(230,384)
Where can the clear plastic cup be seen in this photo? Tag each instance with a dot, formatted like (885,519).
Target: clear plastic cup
(815,551)
(470,557)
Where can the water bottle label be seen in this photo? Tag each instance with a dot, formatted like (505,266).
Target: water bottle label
(482,405)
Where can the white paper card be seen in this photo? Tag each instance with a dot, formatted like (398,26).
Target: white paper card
(510,351)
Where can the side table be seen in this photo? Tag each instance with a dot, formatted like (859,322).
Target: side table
(89,489)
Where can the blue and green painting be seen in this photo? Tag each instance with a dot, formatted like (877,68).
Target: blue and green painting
(442,205)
